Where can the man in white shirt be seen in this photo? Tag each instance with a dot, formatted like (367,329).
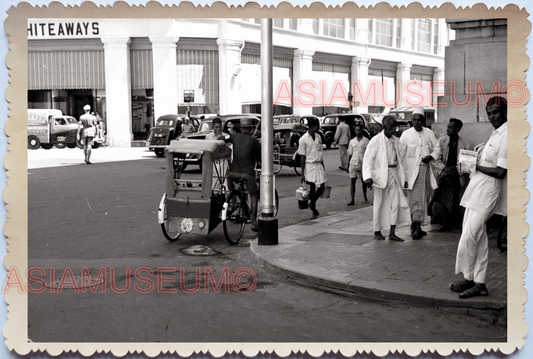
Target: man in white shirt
(485,195)
(383,168)
(313,170)
(356,151)
(88,128)
(421,147)
(342,138)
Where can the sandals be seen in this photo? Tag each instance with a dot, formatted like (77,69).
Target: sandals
(462,285)
(478,290)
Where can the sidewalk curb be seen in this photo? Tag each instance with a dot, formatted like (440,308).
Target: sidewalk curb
(492,311)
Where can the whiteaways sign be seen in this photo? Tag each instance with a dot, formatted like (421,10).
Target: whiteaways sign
(62,29)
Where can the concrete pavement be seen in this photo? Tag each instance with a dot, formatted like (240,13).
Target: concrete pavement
(339,253)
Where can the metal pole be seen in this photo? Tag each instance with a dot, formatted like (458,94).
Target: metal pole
(268,224)
(267,185)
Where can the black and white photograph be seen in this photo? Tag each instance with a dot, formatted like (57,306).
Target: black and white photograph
(313,179)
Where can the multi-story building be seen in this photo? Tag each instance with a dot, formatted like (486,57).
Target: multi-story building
(134,70)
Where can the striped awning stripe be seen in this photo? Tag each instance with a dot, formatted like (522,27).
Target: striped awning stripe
(66,70)
(142,69)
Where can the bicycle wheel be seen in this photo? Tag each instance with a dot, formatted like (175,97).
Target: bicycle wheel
(276,167)
(170,228)
(501,240)
(235,217)
(276,204)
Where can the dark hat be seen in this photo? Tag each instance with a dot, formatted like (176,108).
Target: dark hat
(313,122)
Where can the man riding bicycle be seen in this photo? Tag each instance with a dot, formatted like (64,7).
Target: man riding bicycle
(246,156)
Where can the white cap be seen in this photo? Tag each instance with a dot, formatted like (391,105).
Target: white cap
(419,111)
(87,108)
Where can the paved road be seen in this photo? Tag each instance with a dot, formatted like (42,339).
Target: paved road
(104,216)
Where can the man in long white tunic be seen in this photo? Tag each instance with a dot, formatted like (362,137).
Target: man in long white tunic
(313,170)
(485,195)
(422,147)
(383,168)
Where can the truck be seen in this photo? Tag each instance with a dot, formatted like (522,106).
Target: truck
(49,127)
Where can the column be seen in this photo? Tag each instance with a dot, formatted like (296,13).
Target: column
(166,96)
(302,69)
(403,75)
(118,89)
(360,84)
(438,86)
(229,59)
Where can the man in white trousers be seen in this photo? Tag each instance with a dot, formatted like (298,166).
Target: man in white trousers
(383,168)
(485,195)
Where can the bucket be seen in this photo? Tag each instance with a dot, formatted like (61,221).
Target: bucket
(302,195)
(327,192)
(303,204)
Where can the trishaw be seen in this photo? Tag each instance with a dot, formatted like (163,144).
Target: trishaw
(196,204)
(192,203)
(286,139)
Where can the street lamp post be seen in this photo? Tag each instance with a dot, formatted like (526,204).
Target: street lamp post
(267,222)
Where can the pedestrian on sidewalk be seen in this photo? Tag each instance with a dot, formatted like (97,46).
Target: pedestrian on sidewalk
(313,170)
(383,168)
(356,152)
(88,128)
(342,138)
(422,147)
(451,184)
(485,195)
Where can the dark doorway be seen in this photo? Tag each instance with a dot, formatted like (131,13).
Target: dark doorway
(82,98)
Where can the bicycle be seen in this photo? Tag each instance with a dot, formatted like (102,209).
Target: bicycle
(237,211)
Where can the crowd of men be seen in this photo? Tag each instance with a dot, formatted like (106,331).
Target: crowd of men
(411,173)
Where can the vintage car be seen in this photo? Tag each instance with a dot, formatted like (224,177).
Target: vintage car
(206,127)
(330,122)
(166,129)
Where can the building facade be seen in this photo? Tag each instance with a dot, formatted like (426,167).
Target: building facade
(131,71)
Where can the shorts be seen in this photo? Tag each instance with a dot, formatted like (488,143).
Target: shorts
(88,132)
(251,183)
(354,172)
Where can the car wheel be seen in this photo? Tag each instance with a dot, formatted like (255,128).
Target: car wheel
(47,146)
(33,142)
(72,145)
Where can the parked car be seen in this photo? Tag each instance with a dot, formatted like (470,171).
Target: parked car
(206,127)
(301,119)
(166,129)
(330,122)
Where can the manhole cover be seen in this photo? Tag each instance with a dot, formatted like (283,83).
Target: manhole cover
(81,282)
(199,250)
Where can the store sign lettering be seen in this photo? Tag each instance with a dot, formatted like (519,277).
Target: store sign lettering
(63,29)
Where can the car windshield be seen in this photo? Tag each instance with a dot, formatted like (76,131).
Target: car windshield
(72,120)
(330,120)
(206,126)
(164,123)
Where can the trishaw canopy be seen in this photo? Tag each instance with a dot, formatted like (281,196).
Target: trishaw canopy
(217,148)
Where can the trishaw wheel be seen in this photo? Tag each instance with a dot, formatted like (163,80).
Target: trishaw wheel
(276,167)
(235,218)
(298,169)
(170,229)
